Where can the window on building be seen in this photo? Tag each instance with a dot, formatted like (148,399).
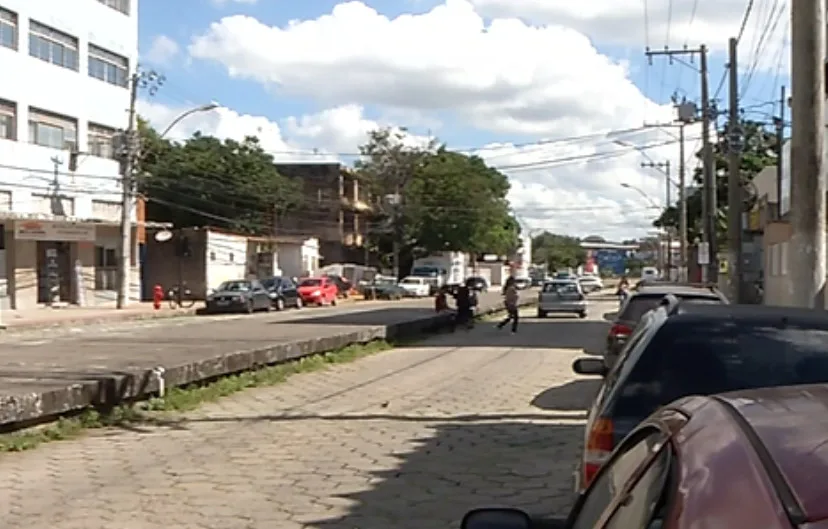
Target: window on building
(100,141)
(8,29)
(8,123)
(52,130)
(117,5)
(108,67)
(53,46)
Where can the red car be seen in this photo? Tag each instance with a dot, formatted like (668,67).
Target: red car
(318,291)
(740,460)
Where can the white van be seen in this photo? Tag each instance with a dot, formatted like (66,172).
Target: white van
(649,273)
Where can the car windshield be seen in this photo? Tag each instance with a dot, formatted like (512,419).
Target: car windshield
(311,283)
(410,281)
(234,286)
(384,281)
(640,304)
(702,359)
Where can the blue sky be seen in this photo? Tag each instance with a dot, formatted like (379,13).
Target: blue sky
(577,100)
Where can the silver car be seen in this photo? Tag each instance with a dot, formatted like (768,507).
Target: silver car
(562,296)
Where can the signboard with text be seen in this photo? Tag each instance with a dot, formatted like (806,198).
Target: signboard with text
(45,230)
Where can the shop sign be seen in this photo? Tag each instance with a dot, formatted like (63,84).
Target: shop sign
(44,230)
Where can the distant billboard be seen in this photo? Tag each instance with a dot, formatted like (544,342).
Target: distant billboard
(609,260)
(785,184)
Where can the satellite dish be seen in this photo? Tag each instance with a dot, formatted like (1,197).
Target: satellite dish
(163,236)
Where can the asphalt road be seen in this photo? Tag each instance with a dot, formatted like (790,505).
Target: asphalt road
(410,438)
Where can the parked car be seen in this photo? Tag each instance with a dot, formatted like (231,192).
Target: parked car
(343,286)
(685,348)
(564,276)
(650,273)
(318,291)
(738,460)
(383,287)
(238,296)
(644,299)
(522,283)
(477,283)
(590,284)
(415,286)
(282,292)
(562,297)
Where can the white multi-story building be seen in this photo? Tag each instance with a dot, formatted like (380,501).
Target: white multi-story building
(65,67)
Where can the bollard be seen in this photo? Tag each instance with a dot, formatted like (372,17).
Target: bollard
(158,373)
(157,297)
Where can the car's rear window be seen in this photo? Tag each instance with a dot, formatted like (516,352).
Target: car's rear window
(640,304)
(688,359)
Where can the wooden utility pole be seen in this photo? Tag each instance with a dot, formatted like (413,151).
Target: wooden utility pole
(806,256)
(734,181)
(709,203)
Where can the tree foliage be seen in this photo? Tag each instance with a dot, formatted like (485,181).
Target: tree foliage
(207,181)
(557,251)
(759,147)
(448,201)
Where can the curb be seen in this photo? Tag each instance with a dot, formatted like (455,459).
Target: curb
(111,389)
(9,327)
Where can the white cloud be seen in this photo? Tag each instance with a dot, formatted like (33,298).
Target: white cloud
(450,65)
(162,51)
(671,23)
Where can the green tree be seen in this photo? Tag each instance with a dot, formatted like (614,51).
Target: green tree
(449,201)
(759,148)
(557,251)
(207,181)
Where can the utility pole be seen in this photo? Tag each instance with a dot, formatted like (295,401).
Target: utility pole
(734,181)
(682,206)
(664,167)
(138,80)
(808,209)
(709,202)
(780,144)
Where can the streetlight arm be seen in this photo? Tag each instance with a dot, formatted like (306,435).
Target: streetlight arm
(184,115)
(641,192)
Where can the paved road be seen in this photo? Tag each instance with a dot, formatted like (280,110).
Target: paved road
(410,438)
(56,360)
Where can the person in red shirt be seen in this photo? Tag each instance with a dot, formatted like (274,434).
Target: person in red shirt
(441,301)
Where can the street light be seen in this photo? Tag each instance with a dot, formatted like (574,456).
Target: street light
(203,108)
(648,198)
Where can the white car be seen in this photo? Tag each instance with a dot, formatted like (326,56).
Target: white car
(650,273)
(418,287)
(591,283)
(562,296)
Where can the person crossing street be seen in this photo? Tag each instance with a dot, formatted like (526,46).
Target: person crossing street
(511,300)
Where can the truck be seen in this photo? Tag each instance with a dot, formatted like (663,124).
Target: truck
(445,268)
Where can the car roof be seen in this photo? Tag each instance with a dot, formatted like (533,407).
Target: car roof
(662,289)
(790,423)
(751,313)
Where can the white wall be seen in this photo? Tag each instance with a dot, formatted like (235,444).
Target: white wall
(297,259)
(32,82)
(226,258)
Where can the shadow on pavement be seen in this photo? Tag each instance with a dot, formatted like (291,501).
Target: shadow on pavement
(532,334)
(574,395)
(463,466)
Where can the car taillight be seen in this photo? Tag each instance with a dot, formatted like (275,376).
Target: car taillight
(620,331)
(598,449)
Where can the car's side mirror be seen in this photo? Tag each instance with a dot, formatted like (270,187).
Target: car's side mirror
(590,366)
(496,518)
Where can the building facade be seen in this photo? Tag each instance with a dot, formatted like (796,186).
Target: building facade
(64,90)
(336,210)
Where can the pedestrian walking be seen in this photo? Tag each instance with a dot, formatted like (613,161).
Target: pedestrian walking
(511,300)
(463,301)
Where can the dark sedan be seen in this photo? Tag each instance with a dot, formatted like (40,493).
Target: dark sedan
(282,292)
(239,296)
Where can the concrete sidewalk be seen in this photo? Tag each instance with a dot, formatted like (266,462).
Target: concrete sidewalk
(40,378)
(47,317)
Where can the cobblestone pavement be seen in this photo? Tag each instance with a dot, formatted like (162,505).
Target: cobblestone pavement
(410,438)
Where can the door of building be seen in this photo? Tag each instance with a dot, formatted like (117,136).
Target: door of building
(54,268)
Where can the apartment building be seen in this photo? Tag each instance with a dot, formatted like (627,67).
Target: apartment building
(336,211)
(65,73)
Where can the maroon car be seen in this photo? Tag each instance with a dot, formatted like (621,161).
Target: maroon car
(744,460)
